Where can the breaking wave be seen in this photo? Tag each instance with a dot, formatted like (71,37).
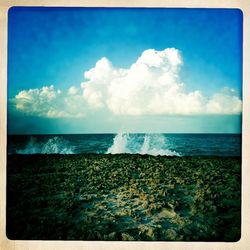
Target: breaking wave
(55,145)
(152,144)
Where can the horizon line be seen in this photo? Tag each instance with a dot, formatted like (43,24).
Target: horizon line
(101,133)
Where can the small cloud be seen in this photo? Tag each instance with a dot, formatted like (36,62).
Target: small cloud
(224,102)
(49,102)
(72,90)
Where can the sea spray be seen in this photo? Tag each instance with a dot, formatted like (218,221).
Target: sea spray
(155,144)
(119,144)
(152,144)
(145,146)
(183,144)
(54,145)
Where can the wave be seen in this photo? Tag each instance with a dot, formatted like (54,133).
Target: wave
(55,145)
(151,144)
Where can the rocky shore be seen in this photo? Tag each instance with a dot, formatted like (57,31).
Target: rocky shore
(123,197)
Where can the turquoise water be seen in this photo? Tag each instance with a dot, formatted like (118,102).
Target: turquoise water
(153,144)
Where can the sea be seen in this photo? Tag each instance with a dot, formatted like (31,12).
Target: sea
(129,143)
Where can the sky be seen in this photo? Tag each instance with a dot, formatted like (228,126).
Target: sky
(103,70)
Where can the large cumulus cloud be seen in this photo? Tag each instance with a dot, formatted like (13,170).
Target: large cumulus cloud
(150,86)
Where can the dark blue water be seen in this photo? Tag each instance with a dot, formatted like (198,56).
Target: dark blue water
(153,144)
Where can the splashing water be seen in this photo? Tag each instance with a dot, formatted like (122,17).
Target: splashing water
(55,145)
(152,144)
(156,145)
(145,146)
(119,145)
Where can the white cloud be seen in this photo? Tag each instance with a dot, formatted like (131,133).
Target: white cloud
(73,90)
(150,86)
(49,102)
(224,102)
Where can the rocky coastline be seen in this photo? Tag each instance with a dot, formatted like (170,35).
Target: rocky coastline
(123,197)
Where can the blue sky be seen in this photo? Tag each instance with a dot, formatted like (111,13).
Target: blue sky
(55,46)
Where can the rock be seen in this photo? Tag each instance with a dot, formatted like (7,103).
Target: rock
(170,234)
(126,236)
(148,212)
(110,236)
(97,168)
(150,234)
(167,213)
(145,205)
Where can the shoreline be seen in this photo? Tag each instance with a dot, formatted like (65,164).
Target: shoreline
(123,197)
(121,154)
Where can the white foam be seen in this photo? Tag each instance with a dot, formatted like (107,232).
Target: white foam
(119,144)
(153,144)
(55,145)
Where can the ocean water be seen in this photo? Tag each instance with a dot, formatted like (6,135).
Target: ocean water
(153,144)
